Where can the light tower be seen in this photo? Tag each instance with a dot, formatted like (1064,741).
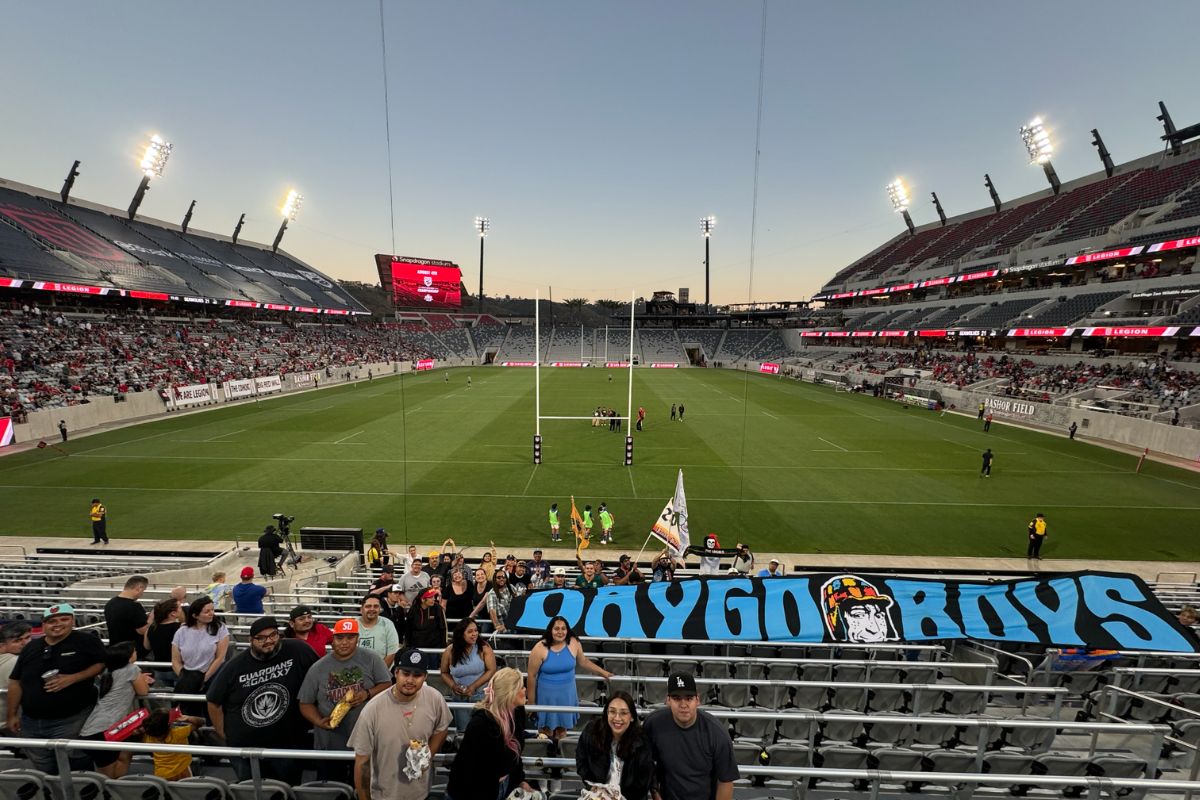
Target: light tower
(482,226)
(291,207)
(706,228)
(1040,148)
(153,160)
(898,194)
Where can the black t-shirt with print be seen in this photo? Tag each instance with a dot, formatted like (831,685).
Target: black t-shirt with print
(259,697)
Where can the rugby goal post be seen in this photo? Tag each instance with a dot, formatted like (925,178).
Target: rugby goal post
(537,383)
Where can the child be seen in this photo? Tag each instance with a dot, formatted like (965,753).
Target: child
(219,591)
(160,728)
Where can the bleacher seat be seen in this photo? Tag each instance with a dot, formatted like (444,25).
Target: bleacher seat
(271,790)
(138,787)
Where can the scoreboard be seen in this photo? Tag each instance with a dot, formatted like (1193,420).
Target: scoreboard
(422,282)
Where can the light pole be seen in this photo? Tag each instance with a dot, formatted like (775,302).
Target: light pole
(482,226)
(898,194)
(153,160)
(1040,148)
(706,228)
(291,207)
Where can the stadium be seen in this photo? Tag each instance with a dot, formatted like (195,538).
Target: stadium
(931,531)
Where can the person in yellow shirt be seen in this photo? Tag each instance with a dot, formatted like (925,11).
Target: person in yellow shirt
(99,517)
(1037,535)
(161,729)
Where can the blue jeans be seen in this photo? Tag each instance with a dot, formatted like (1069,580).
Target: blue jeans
(43,758)
(463,715)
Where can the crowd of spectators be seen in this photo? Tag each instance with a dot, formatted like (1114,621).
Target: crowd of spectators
(1152,380)
(302,685)
(51,358)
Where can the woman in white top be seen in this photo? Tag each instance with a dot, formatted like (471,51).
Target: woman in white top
(198,650)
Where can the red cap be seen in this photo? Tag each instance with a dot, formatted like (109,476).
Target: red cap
(247,572)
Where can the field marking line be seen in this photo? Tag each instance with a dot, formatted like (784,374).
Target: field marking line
(851,452)
(772,416)
(530,481)
(789,501)
(415,410)
(223,435)
(671,466)
(971,447)
(351,436)
(1168,480)
(631,485)
(838,446)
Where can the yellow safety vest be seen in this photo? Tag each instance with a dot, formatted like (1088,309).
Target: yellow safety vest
(97,512)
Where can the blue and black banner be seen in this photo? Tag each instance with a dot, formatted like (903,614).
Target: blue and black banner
(1094,610)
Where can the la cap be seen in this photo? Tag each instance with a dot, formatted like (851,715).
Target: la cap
(59,610)
(560,571)
(410,660)
(347,625)
(681,684)
(773,561)
(247,572)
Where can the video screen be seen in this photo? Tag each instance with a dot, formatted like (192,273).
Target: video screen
(421,281)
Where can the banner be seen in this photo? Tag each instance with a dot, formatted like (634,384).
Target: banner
(671,527)
(423,364)
(271,383)
(191,395)
(303,379)
(235,390)
(1096,610)
(768,368)
(6,431)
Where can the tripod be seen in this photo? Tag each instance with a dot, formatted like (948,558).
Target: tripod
(289,554)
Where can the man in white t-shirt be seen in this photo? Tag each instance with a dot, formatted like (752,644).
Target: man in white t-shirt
(376,632)
(414,581)
(409,713)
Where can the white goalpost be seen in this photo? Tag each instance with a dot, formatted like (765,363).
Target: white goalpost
(537,382)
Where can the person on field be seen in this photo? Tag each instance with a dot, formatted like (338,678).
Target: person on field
(606,524)
(1037,535)
(987,422)
(99,517)
(554,537)
(985,471)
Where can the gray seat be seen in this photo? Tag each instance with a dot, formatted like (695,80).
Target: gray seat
(895,759)
(789,755)
(884,700)
(811,697)
(965,704)
(567,746)
(87,785)
(932,732)
(989,735)
(1063,765)
(138,787)
(757,729)
(23,784)
(734,695)
(1117,767)
(772,695)
(841,730)
(850,673)
(922,673)
(1030,740)
(1010,764)
(950,761)
(199,788)
(746,753)
(781,671)
(925,701)
(271,790)
(843,757)
(324,790)
(796,727)
(848,699)
(892,730)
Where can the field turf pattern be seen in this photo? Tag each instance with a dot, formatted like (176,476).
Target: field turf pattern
(787,467)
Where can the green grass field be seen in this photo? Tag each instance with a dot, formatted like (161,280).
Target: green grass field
(785,466)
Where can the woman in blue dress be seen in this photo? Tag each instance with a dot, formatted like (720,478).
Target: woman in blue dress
(552,664)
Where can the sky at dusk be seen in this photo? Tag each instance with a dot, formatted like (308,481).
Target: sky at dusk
(594,136)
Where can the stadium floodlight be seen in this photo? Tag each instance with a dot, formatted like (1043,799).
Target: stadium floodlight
(898,193)
(237,229)
(706,228)
(72,174)
(991,187)
(187,218)
(1040,149)
(1105,156)
(289,210)
(482,226)
(937,204)
(154,159)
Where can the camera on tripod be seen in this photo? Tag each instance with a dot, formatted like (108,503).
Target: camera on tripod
(284,521)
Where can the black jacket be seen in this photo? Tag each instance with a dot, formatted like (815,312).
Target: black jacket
(483,758)
(593,765)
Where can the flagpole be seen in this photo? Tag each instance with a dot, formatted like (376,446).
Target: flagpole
(638,560)
(537,360)
(630,406)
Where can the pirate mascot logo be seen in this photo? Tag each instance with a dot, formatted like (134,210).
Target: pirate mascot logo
(855,611)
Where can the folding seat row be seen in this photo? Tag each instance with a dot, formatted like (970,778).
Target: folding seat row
(31,784)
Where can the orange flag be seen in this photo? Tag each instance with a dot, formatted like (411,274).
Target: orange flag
(581,541)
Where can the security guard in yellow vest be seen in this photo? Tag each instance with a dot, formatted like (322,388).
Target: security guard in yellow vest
(1037,535)
(99,517)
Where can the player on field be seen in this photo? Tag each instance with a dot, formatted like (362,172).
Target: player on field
(587,522)
(554,537)
(986,470)
(606,525)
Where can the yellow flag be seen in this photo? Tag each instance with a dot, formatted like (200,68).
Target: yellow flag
(581,541)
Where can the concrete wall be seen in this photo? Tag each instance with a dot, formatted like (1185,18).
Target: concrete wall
(145,406)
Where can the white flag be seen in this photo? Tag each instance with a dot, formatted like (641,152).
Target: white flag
(671,527)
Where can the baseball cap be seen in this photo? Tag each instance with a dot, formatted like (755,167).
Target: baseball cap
(262,624)
(58,610)
(247,572)
(299,611)
(429,593)
(410,660)
(773,561)
(347,625)
(510,557)
(560,571)
(625,557)
(380,532)
(681,684)
(537,551)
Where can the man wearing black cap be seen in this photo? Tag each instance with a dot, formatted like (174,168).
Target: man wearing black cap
(252,699)
(692,750)
(398,734)
(303,627)
(627,573)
